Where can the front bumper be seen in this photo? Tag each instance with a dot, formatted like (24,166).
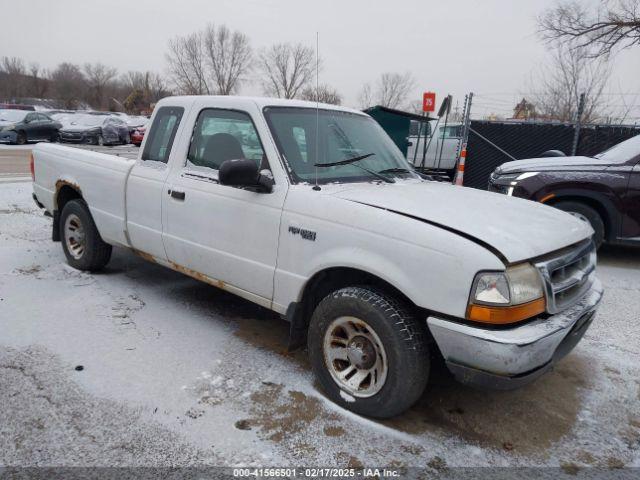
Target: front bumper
(76,137)
(506,359)
(9,136)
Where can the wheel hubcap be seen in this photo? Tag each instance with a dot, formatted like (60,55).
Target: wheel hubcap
(355,356)
(74,236)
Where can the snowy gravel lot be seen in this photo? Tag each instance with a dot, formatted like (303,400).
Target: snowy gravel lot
(140,365)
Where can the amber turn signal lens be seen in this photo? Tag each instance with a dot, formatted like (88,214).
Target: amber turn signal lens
(504,315)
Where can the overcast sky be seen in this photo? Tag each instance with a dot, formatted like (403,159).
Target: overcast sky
(489,47)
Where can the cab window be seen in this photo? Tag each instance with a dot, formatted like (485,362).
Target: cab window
(221,135)
(162,134)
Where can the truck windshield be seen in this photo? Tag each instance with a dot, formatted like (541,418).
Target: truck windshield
(341,136)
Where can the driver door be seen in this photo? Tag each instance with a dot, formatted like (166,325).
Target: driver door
(228,234)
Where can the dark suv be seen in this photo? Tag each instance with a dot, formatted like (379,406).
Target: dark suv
(603,190)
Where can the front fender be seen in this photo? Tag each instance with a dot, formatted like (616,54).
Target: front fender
(431,266)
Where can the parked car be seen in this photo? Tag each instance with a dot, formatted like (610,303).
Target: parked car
(138,135)
(95,129)
(15,106)
(603,190)
(379,270)
(23,126)
(63,118)
(137,127)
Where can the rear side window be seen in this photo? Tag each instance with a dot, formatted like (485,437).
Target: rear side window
(162,133)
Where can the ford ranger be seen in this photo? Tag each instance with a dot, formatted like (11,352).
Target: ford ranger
(312,211)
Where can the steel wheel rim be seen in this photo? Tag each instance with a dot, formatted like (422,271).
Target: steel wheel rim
(74,236)
(355,357)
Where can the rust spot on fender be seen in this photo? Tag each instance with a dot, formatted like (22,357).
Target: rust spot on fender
(66,183)
(198,276)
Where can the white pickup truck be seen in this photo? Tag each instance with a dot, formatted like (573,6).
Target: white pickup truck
(312,211)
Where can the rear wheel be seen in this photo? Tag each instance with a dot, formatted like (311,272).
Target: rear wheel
(368,351)
(55,137)
(586,214)
(81,242)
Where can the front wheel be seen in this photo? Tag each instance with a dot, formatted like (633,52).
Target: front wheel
(81,241)
(22,138)
(586,214)
(368,351)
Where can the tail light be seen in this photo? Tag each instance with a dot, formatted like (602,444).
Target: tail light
(32,167)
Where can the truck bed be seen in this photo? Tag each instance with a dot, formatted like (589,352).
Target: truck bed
(99,177)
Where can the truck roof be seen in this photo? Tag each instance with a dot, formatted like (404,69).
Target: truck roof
(260,101)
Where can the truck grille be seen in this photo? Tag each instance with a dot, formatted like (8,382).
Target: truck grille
(568,275)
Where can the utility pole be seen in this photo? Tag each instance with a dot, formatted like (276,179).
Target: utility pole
(578,123)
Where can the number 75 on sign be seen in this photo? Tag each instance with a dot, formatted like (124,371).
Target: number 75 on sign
(428,102)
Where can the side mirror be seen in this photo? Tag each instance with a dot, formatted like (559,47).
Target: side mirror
(243,173)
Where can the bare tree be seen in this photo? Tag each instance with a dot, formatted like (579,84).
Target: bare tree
(150,83)
(391,90)
(98,78)
(613,24)
(365,98)
(141,90)
(13,77)
(323,94)
(228,57)
(287,69)
(68,82)
(558,86)
(187,64)
(38,81)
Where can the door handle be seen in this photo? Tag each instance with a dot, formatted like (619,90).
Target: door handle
(177,194)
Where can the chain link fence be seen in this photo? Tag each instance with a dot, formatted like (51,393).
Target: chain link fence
(491,143)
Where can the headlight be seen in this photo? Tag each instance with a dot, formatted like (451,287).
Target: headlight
(506,297)
(7,128)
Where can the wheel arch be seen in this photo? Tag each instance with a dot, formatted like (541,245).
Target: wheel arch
(321,284)
(65,192)
(600,203)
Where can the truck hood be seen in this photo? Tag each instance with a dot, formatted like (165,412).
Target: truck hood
(516,229)
(553,164)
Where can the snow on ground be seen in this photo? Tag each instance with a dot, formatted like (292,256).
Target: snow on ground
(175,372)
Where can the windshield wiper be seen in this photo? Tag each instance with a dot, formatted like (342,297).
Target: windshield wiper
(352,160)
(396,170)
(346,161)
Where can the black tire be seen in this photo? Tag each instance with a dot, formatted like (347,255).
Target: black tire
(99,140)
(584,211)
(403,336)
(95,252)
(55,137)
(22,138)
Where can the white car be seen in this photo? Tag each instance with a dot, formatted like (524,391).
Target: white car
(315,214)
